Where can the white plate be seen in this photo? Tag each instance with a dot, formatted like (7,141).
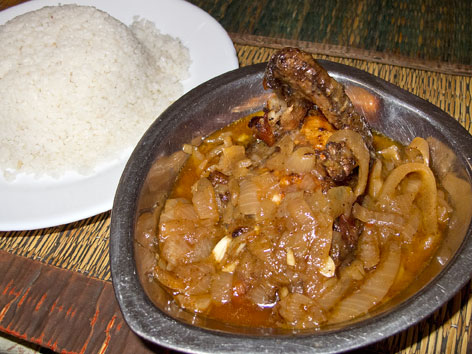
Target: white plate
(29,203)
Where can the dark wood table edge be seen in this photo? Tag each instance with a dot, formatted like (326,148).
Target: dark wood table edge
(62,310)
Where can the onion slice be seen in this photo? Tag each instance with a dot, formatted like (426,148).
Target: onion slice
(422,146)
(357,145)
(249,203)
(374,288)
(428,200)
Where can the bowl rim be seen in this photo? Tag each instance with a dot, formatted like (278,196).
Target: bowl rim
(135,308)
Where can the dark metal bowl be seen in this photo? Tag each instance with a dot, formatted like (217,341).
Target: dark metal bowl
(213,105)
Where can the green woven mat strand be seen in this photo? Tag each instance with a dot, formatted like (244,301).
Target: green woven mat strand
(437,30)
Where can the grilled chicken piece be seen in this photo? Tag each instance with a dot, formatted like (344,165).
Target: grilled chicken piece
(296,76)
(299,80)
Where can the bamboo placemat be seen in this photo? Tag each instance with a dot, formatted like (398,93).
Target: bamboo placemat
(82,247)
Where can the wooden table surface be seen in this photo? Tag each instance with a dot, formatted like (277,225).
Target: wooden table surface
(55,290)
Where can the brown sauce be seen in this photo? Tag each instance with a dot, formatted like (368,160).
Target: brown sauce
(269,269)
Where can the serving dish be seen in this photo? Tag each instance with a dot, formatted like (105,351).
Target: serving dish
(213,105)
(29,203)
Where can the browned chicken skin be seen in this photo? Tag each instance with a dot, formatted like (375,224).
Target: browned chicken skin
(338,161)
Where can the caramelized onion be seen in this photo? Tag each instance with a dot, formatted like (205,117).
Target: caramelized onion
(296,242)
(373,290)
(422,146)
(391,153)
(300,310)
(248,200)
(376,217)
(428,200)
(196,303)
(233,187)
(300,211)
(319,239)
(375,179)
(175,248)
(230,157)
(294,307)
(302,160)
(357,145)
(221,287)
(308,183)
(204,200)
(178,208)
(179,250)
(368,249)
(403,203)
(168,280)
(263,294)
(267,184)
(340,201)
(412,225)
(331,297)
(198,286)
(197,277)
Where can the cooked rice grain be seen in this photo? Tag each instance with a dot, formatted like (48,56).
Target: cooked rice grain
(78,87)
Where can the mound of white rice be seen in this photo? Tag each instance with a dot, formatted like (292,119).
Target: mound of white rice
(78,87)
